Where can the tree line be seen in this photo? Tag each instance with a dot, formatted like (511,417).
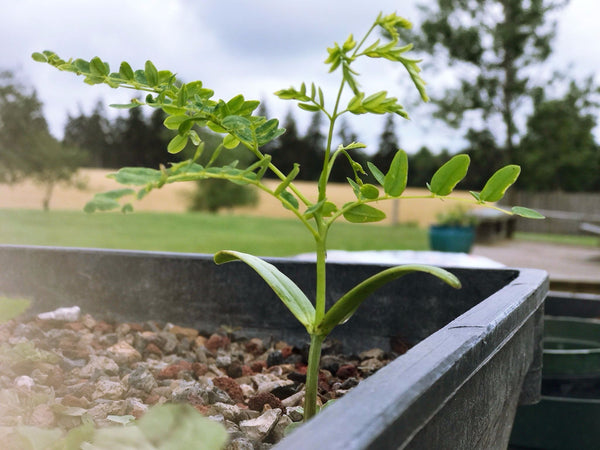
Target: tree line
(493,50)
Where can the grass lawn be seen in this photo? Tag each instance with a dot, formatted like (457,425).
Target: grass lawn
(194,232)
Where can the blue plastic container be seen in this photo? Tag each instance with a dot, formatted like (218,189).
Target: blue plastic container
(445,238)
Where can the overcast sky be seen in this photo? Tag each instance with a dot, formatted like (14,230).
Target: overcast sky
(235,46)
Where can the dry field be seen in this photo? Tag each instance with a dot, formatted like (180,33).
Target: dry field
(175,197)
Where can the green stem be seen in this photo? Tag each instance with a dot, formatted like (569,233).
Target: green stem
(312,376)
(321,250)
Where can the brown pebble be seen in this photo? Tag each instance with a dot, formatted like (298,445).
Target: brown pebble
(78,402)
(181,332)
(216,342)
(258,366)
(75,326)
(235,370)
(199,369)
(153,349)
(103,327)
(258,402)
(230,386)
(173,371)
(255,346)
(346,371)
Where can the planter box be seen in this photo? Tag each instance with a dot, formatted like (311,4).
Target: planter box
(568,416)
(477,352)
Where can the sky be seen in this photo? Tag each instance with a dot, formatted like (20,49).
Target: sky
(239,46)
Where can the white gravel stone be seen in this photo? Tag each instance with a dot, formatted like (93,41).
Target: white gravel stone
(257,429)
(70,314)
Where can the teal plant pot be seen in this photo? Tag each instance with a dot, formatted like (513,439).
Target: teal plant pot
(445,238)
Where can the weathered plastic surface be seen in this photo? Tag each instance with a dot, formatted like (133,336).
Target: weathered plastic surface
(568,417)
(478,352)
(558,423)
(571,347)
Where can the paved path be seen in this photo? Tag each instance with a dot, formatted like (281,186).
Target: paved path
(562,262)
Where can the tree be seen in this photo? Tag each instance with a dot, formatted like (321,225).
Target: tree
(93,134)
(493,43)
(388,145)
(559,150)
(342,170)
(421,167)
(288,146)
(486,158)
(23,128)
(313,143)
(27,149)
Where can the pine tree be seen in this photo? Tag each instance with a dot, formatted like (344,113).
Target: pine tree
(388,145)
(92,134)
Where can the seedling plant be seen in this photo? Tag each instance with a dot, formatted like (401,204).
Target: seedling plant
(191,105)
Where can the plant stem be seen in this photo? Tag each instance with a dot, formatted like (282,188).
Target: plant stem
(312,376)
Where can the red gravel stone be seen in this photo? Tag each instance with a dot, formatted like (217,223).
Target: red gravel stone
(216,342)
(230,386)
(346,371)
(173,370)
(103,327)
(255,346)
(258,402)
(258,366)
(286,351)
(199,369)
(153,349)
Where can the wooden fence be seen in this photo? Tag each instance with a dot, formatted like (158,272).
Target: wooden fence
(565,212)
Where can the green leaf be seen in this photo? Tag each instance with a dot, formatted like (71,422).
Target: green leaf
(151,74)
(97,67)
(526,212)
(240,127)
(177,144)
(230,142)
(39,57)
(343,309)
(36,438)
(328,209)
(355,187)
(308,107)
(289,293)
(124,106)
(447,177)
(369,191)
(362,213)
(395,180)
(288,179)
(106,201)
(290,199)
(173,122)
(268,131)
(12,307)
(378,174)
(179,426)
(136,176)
(498,183)
(126,71)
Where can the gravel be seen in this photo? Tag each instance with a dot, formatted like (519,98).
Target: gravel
(64,367)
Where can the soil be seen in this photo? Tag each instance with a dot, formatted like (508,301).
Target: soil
(57,373)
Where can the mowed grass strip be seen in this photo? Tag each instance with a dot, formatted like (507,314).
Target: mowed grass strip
(194,233)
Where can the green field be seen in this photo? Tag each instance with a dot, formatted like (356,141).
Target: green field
(194,233)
